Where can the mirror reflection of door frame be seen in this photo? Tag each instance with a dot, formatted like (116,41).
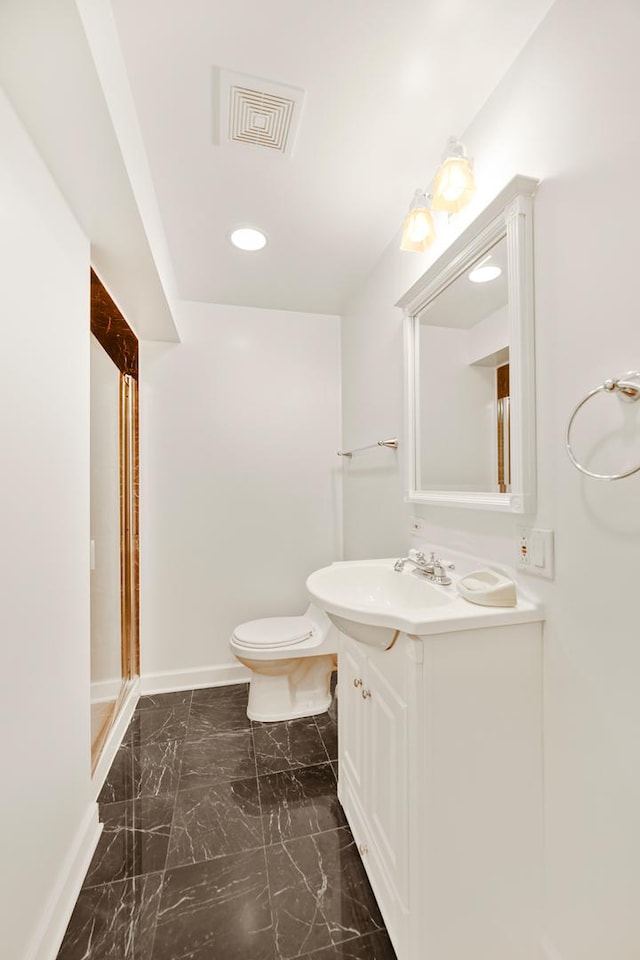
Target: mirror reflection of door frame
(503,408)
(118,340)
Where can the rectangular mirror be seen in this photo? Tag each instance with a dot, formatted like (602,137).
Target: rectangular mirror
(470,364)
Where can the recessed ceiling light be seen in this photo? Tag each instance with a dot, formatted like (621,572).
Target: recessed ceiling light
(248,238)
(485,271)
(483,274)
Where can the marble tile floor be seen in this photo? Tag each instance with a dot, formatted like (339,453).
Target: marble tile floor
(224,840)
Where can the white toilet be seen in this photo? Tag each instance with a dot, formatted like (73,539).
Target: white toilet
(291,661)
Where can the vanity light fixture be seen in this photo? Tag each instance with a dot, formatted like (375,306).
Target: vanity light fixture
(418,230)
(248,238)
(453,186)
(485,271)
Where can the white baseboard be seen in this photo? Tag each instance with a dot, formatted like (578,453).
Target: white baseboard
(102,691)
(50,931)
(218,676)
(115,736)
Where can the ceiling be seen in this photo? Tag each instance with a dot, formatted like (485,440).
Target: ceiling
(49,74)
(385,83)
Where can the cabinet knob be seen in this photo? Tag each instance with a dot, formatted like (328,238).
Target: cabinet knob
(363,848)
(357,682)
(366,694)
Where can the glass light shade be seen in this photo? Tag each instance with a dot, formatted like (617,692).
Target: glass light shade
(454,185)
(418,230)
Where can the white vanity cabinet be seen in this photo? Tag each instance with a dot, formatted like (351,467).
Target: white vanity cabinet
(440,777)
(374,727)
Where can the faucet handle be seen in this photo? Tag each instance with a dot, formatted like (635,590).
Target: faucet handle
(437,561)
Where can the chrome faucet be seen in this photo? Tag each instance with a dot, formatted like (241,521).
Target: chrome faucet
(433,568)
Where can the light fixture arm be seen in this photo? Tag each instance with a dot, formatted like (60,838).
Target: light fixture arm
(420,199)
(454,148)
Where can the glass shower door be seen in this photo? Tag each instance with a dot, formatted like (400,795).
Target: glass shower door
(114,513)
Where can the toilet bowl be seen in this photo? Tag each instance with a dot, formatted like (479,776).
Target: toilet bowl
(291,660)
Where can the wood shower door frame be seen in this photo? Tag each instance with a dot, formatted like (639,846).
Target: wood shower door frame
(116,337)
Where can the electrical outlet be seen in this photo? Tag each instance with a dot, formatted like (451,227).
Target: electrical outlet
(524,557)
(535,551)
(416,526)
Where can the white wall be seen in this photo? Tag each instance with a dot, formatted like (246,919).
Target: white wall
(240,425)
(457,400)
(489,338)
(45,807)
(567,113)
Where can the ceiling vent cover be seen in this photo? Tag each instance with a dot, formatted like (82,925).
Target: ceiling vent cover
(258,113)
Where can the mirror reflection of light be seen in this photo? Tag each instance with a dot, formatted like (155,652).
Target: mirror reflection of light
(484,272)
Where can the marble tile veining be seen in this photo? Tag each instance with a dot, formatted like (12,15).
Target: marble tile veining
(296,803)
(179,698)
(134,841)
(224,756)
(320,895)
(143,770)
(158,725)
(224,716)
(376,946)
(215,695)
(287,745)
(219,908)
(115,921)
(214,821)
(224,840)
(328,728)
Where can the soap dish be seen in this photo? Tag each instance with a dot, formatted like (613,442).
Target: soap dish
(488,588)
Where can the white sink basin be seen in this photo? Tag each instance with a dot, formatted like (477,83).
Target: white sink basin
(369,601)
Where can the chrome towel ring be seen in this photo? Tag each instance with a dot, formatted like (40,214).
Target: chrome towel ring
(626,390)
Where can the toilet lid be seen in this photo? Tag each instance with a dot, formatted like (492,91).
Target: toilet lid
(274,632)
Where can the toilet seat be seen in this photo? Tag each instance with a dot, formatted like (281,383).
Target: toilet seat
(273,633)
(290,661)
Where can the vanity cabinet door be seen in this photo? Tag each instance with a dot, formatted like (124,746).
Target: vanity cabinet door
(351,716)
(374,770)
(387,766)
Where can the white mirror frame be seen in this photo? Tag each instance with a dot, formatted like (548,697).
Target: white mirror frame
(510,214)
